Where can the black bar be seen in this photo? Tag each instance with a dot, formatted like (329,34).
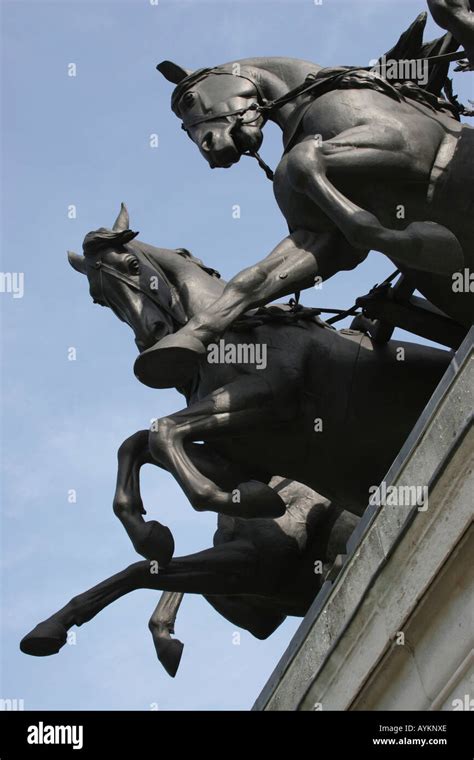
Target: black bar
(137,734)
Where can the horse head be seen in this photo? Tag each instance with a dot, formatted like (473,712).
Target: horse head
(219,110)
(127,278)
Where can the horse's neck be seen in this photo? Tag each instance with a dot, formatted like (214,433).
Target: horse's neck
(193,288)
(276,77)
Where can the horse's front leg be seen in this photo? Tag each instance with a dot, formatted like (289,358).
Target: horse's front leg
(292,266)
(151,539)
(228,411)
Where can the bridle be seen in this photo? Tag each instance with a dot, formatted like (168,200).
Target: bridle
(264,107)
(102,268)
(259,107)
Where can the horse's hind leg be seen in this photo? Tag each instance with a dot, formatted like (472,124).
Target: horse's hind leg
(227,569)
(423,245)
(241,611)
(161,625)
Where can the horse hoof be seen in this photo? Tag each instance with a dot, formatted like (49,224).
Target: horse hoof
(169,363)
(156,543)
(437,249)
(47,638)
(169,652)
(259,500)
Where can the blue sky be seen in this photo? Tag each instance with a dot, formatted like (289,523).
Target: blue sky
(85,141)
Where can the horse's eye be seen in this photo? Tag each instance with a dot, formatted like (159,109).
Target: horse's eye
(133,265)
(188,99)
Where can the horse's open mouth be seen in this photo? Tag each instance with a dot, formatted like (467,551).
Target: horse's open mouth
(239,144)
(240,141)
(246,142)
(225,158)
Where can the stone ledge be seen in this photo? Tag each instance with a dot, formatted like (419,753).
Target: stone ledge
(394,558)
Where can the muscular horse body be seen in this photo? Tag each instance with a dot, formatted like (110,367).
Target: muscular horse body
(299,416)
(364,168)
(329,410)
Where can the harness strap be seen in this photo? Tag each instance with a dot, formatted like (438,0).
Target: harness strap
(354,309)
(302,89)
(102,267)
(261,103)
(316,87)
(222,115)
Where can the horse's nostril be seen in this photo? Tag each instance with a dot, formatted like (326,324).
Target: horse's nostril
(207,141)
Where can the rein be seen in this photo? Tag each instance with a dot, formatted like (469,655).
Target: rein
(298,312)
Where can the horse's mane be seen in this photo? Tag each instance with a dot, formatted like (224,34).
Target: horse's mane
(97,240)
(281,314)
(104,238)
(183,252)
(188,255)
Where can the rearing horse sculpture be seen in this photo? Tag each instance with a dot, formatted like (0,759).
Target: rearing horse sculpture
(300,413)
(368,164)
(329,410)
(261,418)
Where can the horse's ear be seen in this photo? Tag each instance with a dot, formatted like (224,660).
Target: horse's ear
(172,72)
(77,262)
(122,222)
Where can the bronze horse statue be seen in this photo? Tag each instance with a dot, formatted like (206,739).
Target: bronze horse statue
(330,410)
(369,163)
